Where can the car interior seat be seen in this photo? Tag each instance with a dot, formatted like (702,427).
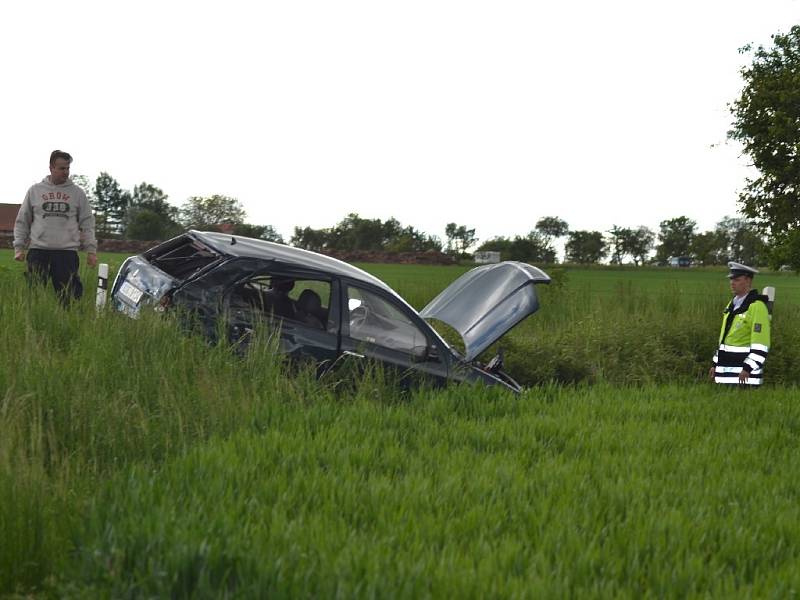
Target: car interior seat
(309,309)
(277,300)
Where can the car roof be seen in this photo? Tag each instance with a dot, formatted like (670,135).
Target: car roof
(253,248)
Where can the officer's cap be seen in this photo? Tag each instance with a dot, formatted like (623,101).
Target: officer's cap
(738,269)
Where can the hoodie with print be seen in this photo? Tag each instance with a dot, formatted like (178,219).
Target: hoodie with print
(55,217)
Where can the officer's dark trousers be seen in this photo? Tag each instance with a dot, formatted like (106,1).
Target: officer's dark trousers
(59,267)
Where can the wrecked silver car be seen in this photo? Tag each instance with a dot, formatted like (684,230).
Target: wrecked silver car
(328,310)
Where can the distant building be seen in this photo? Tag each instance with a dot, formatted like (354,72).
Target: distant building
(486,257)
(8,214)
(680,261)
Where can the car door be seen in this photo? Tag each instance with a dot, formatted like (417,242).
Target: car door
(377,327)
(279,302)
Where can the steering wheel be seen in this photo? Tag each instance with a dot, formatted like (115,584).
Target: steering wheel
(358,316)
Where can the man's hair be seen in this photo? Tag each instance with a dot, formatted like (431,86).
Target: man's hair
(56,154)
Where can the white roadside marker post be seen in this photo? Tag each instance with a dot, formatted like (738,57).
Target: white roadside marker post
(102,285)
(769,292)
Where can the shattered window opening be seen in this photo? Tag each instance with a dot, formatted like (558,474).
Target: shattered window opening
(303,301)
(185,260)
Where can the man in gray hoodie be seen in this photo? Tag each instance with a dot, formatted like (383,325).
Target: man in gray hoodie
(54,222)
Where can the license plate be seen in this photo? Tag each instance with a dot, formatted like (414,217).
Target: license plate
(130,292)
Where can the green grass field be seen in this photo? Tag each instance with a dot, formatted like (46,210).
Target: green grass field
(139,462)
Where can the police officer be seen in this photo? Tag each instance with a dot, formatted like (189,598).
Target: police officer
(744,337)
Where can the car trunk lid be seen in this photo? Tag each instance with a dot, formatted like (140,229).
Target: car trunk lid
(485,303)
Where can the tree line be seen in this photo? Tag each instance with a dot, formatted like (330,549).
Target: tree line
(146,214)
(731,239)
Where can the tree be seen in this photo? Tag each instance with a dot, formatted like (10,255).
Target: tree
(259,232)
(307,238)
(409,239)
(371,235)
(83,182)
(356,233)
(459,238)
(149,215)
(111,204)
(766,117)
(742,241)
(617,243)
(152,198)
(530,248)
(551,228)
(789,252)
(639,243)
(211,212)
(585,247)
(675,237)
(709,248)
(145,224)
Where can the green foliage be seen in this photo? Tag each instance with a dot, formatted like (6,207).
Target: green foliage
(459,239)
(532,248)
(110,203)
(616,243)
(710,248)
(83,182)
(788,252)
(144,224)
(310,239)
(675,238)
(210,212)
(354,233)
(585,247)
(150,216)
(259,232)
(152,198)
(765,122)
(634,243)
(732,239)
(639,244)
(552,227)
(742,241)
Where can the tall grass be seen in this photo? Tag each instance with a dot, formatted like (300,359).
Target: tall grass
(138,461)
(85,395)
(632,335)
(675,491)
(626,326)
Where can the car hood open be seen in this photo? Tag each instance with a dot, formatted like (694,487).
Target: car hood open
(485,303)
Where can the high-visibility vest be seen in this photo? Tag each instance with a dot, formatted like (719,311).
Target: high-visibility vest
(743,341)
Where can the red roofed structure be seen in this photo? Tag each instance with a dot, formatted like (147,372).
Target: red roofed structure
(8,214)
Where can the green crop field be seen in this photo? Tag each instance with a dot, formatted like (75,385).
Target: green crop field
(136,461)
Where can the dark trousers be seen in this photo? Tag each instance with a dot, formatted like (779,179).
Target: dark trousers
(59,267)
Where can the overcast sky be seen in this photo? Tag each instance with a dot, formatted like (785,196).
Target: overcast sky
(488,114)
